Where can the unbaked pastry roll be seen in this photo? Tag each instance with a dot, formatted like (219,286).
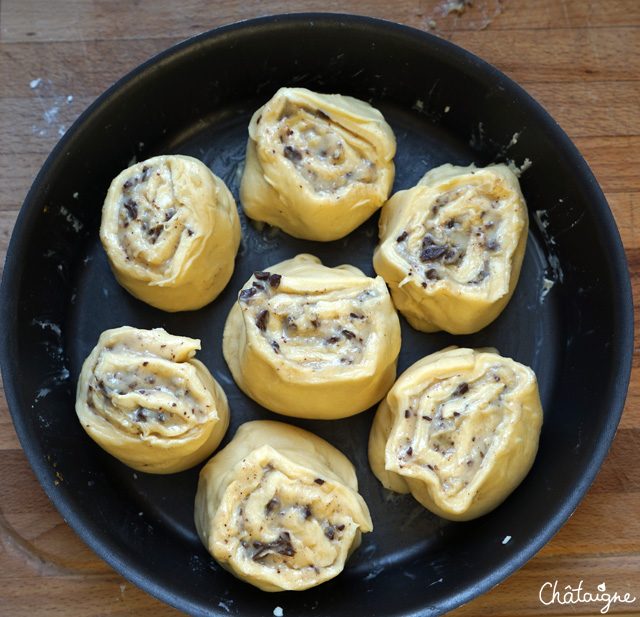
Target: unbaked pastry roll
(318,165)
(451,248)
(171,231)
(310,341)
(459,430)
(145,399)
(279,507)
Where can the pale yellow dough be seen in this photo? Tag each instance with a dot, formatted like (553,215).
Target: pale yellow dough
(145,399)
(171,231)
(313,342)
(317,165)
(451,248)
(279,507)
(459,430)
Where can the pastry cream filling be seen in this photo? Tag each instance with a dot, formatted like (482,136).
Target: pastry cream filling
(327,155)
(458,236)
(144,398)
(151,220)
(317,165)
(310,341)
(315,329)
(451,247)
(459,430)
(433,428)
(171,231)
(282,521)
(279,507)
(145,395)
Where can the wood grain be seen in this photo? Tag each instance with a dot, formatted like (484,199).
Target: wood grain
(580,59)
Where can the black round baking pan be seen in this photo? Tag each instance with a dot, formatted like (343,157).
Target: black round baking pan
(570,318)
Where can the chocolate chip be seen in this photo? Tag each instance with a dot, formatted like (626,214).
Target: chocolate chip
(282,546)
(456,414)
(262,276)
(307,512)
(275,346)
(272,505)
(319,481)
(402,236)
(356,316)
(451,255)
(315,323)
(247,293)
(427,418)
(274,280)
(463,388)
(340,527)
(262,319)
(407,413)
(155,232)
(483,274)
(330,532)
(169,214)
(132,208)
(292,154)
(128,184)
(408,451)
(432,274)
(348,334)
(450,223)
(140,415)
(145,173)
(433,252)
(333,339)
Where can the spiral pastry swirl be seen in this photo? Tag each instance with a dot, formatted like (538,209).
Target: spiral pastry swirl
(145,399)
(459,430)
(317,165)
(310,341)
(171,231)
(451,248)
(279,507)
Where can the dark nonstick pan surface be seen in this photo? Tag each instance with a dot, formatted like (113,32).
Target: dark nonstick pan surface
(570,318)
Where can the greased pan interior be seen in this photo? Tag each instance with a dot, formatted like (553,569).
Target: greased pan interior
(445,105)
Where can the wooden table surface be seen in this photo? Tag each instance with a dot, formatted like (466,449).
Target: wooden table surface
(580,59)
